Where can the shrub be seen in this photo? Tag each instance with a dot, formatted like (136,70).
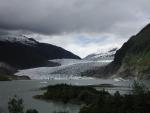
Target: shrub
(15,105)
(139,88)
(31,111)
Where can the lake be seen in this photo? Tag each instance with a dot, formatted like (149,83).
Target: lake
(26,89)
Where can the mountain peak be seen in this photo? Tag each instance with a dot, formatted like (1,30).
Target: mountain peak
(21,52)
(18,39)
(107,54)
(145,29)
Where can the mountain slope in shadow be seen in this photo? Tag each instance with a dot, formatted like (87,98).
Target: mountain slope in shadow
(22,52)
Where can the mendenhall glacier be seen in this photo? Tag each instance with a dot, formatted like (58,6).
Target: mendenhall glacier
(69,69)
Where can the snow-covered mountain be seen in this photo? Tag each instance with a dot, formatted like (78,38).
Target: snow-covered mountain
(102,55)
(18,39)
(22,52)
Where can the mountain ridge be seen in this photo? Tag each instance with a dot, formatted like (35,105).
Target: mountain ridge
(132,60)
(22,52)
(135,60)
(102,55)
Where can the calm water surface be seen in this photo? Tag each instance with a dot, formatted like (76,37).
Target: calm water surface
(27,89)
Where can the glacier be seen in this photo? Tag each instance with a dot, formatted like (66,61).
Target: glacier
(69,69)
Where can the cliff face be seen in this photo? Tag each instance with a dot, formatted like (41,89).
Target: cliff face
(133,59)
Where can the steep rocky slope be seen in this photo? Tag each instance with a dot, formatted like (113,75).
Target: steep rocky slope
(132,60)
(23,52)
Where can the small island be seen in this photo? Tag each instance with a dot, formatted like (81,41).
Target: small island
(93,101)
(69,94)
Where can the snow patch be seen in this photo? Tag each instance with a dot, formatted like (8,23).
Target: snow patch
(102,55)
(18,39)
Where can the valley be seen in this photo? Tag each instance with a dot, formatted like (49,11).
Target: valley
(27,66)
(74,56)
(69,69)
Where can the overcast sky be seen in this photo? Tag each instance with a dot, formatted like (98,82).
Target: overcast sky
(81,26)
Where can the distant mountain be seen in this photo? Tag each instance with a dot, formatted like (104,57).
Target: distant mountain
(22,52)
(102,55)
(132,60)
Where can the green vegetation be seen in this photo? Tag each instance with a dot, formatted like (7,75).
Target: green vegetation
(69,93)
(7,73)
(132,60)
(4,78)
(101,101)
(139,88)
(134,56)
(137,102)
(31,111)
(61,112)
(92,101)
(15,105)
(7,77)
(139,61)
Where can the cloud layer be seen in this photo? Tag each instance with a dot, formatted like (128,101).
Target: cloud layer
(53,17)
(72,23)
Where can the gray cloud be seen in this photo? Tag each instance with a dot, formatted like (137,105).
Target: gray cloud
(82,44)
(55,17)
(80,26)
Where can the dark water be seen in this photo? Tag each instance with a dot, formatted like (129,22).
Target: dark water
(27,89)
